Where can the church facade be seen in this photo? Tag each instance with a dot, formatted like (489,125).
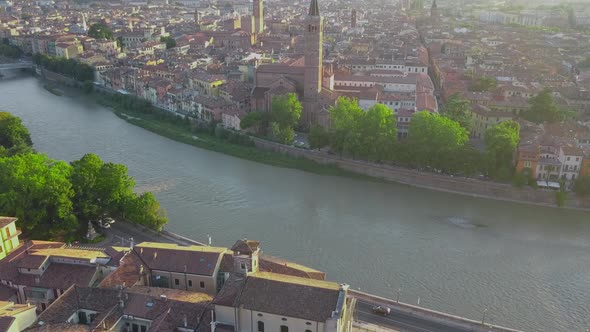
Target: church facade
(305,76)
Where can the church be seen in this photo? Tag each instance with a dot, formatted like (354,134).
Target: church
(305,76)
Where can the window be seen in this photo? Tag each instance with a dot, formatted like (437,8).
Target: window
(260,326)
(202,284)
(527,164)
(143,328)
(568,158)
(190,283)
(284,328)
(243,266)
(176,282)
(307,323)
(135,327)
(307,330)
(284,319)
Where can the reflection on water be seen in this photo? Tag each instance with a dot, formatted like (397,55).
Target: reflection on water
(528,266)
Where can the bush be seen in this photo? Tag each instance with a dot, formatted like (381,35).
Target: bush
(560,198)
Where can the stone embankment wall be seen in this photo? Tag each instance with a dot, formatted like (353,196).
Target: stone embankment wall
(59,78)
(440,182)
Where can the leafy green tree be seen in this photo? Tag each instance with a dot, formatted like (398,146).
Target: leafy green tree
(346,118)
(36,190)
(543,109)
(458,109)
(145,210)
(88,87)
(286,110)
(84,178)
(318,137)
(284,135)
(484,83)
(68,67)
(12,132)
(170,42)
(378,133)
(100,187)
(435,140)
(501,141)
(258,121)
(100,31)
(10,51)
(582,185)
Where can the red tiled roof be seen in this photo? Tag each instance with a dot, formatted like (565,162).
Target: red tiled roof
(5,221)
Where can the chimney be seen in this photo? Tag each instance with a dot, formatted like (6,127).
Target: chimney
(141,251)
(163,297)
(155,254)
(121,304)
(184,321)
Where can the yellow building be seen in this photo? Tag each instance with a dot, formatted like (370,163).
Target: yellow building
(16,317)
(8,235)
(482,118)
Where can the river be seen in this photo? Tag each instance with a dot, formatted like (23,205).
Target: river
(528,266)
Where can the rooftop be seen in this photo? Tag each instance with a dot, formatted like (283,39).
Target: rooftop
(5,221)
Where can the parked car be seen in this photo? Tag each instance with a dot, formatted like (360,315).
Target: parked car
(381,310)
(108,220)
(104,224)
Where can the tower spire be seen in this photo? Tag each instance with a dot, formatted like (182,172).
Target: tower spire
(434,6)
(314,8)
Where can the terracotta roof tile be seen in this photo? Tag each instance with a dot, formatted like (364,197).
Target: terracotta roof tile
(288,296)
(5,221)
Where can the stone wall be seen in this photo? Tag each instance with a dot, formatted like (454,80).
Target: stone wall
(459,185)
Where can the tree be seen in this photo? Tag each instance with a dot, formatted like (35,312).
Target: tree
(12,132)
(88,87)
(170,42)
(99,187)
(501,141)
(286,110)
(458,109)
(435,140)
(258,121)
(484,83)
(36,190)
(318,137)
(543,108)
(582,185)
(100,31)
(84,177)
(346,117)
(145,210)
(284,135)
(378,133)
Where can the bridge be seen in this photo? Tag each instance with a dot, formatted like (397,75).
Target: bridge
(16,65)
(410,318)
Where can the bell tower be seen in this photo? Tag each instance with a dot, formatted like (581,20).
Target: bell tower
(258,11)
(314,35)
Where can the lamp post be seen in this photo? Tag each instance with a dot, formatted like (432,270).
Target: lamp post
(399,290)
(483,318)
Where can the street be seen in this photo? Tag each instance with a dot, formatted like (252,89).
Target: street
(398,320)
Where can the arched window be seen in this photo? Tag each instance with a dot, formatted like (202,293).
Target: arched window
(260,326)
(284,328)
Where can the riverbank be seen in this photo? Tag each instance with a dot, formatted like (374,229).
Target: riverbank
(166,124)
(181,132)
(321,163)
